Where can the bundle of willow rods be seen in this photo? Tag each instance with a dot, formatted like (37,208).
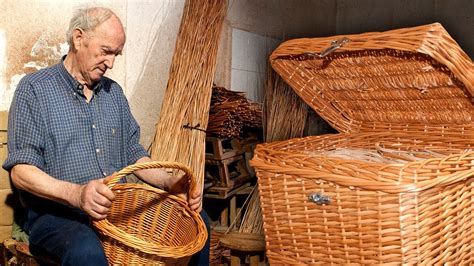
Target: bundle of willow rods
(284,113)
(231,112)
(180,131)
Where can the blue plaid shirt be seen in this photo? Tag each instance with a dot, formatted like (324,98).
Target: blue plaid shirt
(52,127)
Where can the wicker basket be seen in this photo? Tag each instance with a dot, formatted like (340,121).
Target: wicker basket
(408,90)
(146,225)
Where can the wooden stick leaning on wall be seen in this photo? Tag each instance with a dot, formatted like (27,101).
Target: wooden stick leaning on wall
(180,131)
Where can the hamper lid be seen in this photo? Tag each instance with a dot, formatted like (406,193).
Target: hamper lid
(398,79)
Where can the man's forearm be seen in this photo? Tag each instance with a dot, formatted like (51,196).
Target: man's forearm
(34,180)
(156,177)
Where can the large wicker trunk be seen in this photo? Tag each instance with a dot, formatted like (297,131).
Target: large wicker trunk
(404,91)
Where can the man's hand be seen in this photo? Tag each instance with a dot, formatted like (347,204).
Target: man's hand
(178,184)
(195,200)
(95,198)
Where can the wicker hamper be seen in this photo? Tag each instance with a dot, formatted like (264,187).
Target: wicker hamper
(148,226)
(403,91)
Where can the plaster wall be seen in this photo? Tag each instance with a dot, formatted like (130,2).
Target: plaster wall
(32,36)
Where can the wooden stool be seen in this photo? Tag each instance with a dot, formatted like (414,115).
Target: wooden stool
(242,245)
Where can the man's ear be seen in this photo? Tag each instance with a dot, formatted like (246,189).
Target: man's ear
(78,37)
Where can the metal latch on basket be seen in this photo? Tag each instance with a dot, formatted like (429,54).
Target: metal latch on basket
(319,199)
(334,45)
(308,55)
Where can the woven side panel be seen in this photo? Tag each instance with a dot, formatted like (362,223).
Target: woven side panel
(365,227)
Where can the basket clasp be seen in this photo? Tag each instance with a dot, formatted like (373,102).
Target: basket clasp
(319,199)
(336,44)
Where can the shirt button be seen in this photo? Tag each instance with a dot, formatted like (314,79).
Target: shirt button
(104,173)
(97,150)
(75,94)
(93,126)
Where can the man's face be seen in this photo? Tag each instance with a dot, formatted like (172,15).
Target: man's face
(99,48)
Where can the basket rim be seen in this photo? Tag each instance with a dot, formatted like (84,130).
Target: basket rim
(270,157)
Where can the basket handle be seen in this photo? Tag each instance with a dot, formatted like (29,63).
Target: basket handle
(113,180)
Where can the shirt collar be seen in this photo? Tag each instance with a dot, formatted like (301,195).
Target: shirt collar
(75,85)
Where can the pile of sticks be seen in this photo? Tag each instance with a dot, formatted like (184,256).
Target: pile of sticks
(231,113)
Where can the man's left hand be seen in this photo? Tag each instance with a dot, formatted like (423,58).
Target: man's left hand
(178,184)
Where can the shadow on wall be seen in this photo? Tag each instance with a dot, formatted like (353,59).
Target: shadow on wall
(149,89)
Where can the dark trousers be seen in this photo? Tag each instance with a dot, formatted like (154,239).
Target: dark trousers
(67,236)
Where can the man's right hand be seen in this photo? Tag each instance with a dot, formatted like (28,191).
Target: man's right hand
(95,198)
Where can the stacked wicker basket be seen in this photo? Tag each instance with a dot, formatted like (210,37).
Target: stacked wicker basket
(407,90)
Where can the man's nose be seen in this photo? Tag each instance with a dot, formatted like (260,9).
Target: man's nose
(109,61)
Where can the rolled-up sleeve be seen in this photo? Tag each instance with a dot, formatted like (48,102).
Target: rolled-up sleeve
(25,129)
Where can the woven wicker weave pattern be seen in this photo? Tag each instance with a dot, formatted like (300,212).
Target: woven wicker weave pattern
(413,213)
(146,225)
(416,76)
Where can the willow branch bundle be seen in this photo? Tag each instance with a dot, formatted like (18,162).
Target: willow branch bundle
(284,113)
(231,112)
(180,130)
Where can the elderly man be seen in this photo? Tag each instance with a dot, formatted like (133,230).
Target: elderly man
(69,127)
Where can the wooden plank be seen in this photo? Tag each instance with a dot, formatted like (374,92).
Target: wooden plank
(3,137)
(4,176)
(6,208)
(224,193)
(3,121)
(228,179)
(246,242)
(220,149)
(225,217)
(232,208)
(5,232)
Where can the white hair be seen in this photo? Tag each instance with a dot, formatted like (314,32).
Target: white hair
(87,19)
